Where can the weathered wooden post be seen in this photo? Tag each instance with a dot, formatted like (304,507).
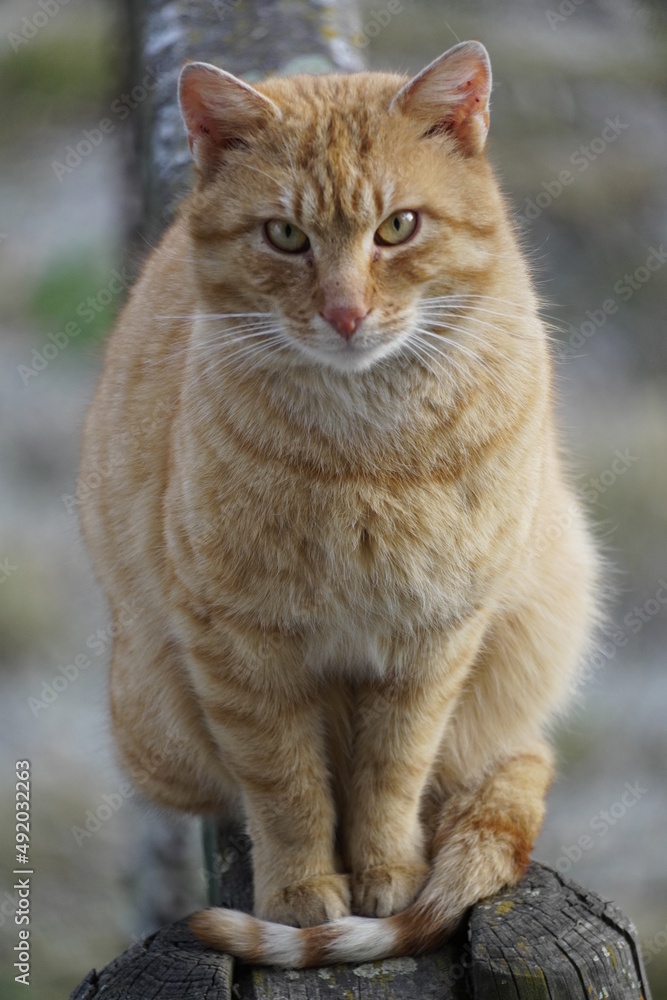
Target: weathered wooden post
(546,939)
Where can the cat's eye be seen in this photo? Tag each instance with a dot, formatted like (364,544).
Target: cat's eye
(286,236)
(398,228)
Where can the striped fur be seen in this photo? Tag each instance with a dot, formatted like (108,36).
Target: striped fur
(349,939)
(365,583)
(481,842)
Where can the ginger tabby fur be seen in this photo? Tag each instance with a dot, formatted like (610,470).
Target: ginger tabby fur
(365,585)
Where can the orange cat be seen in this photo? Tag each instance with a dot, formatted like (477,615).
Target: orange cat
(365,585)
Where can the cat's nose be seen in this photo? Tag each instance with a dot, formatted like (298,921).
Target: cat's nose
(345,319)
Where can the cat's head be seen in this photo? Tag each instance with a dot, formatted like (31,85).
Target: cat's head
(338,209)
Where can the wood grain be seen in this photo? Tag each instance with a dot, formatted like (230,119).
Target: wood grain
(546,939)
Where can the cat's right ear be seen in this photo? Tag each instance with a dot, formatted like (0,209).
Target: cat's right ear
(451,95)
(219,111)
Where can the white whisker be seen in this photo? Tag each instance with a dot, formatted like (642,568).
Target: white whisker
(219,341)
(469,309)
(206,316)
(440,339)
(238,359)
(418,349)
(470,316)
(224,334)
(464,297)
(443,357)
(260,358)
(468,333)
(473,296)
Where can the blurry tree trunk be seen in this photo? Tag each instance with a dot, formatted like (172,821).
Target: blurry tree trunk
(250,38)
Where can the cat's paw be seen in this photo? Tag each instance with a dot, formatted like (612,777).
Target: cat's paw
(387,889)
(311,901)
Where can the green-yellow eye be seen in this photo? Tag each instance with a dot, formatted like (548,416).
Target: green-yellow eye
(398,228)
(286,236)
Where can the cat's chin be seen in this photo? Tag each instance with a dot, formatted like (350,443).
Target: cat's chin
(350,358)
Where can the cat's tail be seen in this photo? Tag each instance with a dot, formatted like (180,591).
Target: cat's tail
(482,843)
(417,929)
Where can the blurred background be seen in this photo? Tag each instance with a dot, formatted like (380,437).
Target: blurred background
(579,140)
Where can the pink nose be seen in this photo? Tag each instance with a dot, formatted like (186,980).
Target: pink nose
(345,319)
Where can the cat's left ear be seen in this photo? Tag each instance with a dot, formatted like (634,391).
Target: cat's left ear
(219,110)
(452,95)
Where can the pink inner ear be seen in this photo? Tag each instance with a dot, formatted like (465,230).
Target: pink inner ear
(451,95)
(219,110)
(196,96)
(460,119)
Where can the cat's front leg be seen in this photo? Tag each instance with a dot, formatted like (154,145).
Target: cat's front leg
(293,886)
(399,728)
(270,735)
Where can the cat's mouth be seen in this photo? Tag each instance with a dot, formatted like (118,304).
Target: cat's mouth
(357,353)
